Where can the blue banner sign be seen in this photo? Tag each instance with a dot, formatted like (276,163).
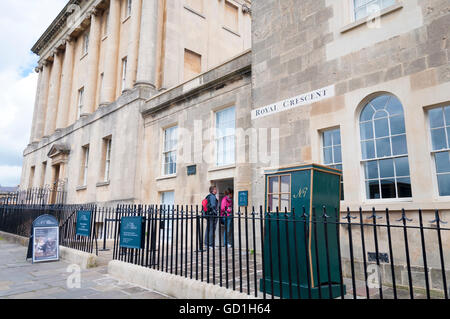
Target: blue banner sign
(84,219)
(243,199)
(131,232)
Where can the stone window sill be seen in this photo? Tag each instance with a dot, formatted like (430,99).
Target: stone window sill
(103,184)
(81,188)
(221,168)
(231,31)
(167,177)
(362,21)
(194,12)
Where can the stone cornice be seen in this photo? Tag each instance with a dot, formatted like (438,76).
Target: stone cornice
(60,27)
(55,27)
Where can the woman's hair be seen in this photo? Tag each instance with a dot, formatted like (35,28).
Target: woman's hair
(211,188)
(228,191)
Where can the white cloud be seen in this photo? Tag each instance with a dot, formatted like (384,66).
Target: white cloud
(22,23)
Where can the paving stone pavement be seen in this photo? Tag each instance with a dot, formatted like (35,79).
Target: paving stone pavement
(20,279)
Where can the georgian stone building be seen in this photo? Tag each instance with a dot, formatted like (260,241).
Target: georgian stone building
(152,101)
(99,62)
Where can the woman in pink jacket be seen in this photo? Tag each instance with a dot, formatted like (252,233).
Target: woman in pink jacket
(226,213)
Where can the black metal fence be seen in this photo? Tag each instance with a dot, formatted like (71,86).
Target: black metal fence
(49,195)
(18,219)
(357,255)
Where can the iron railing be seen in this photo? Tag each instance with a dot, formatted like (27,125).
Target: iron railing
(18,219)
(397,257)
(47,195)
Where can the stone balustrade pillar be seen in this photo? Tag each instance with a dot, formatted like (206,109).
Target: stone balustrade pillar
(111,55)
(66,85)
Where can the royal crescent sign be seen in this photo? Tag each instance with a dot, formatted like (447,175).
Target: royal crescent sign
(288,104)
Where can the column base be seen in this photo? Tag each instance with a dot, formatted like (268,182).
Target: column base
(144,84)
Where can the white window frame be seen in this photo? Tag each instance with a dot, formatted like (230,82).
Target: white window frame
(334,163)
(80,102)
(354,8)
(124,72)
(173,149)
(434,152)
(128,8)
(363,162)
(85,164)
(108,142)
(86,42)
(227,134)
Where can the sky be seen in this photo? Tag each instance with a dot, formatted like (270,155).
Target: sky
(22,22)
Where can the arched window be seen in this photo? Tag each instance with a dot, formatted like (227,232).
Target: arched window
(384,149)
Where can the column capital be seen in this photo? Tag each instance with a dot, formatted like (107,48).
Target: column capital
(93,12)
(38,69)
(68,39)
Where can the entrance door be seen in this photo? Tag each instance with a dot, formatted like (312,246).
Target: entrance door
(54,189)
(222,186)
(167,200)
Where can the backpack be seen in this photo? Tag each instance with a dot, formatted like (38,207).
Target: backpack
(205,205)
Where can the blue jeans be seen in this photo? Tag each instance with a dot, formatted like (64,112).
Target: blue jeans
(211,223)
(228,230)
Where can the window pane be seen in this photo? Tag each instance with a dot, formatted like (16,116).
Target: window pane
(327,138)
(444,184)
(380,114)
(273,184)
(337,154)
(328,155)
(442,162)
(368,150)
(399,146)
(285,184)
(402,166)
(380,102)
(371,170)
(397,125)
(373,190)
(404,187)
(366,131)
(447,115)
(388,188)
(285,203)
(337,137)
(381,128)
(438,139)
(273,202)
(436,118)
(367,113)
(394,107)
(383,147)
(387,168)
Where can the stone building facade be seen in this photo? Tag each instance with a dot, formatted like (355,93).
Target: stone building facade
(99,62)
(394,54)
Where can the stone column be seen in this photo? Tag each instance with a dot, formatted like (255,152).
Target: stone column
(66,85)
(133,43)
(111,54)
(36,105)
(53,98)
(93,60)
(43,97)
(146,72)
